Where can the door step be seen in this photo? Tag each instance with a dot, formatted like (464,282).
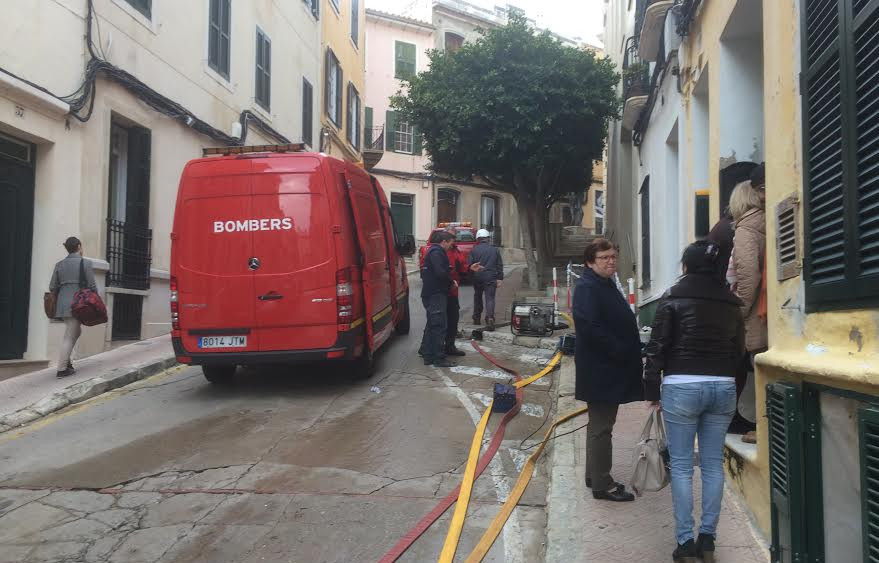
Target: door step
(13,368)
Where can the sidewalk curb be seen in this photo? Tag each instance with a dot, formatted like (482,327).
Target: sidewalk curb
(83,391)
(563,531)
(504,337)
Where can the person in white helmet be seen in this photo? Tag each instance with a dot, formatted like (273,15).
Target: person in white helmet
(488,268)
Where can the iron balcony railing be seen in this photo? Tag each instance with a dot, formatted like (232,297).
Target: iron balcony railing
(129,252)
(636,73)
(374,138)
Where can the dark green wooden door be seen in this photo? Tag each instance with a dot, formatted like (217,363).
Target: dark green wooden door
(16,234)
(402,212)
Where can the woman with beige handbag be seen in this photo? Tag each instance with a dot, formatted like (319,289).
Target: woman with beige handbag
(694,349)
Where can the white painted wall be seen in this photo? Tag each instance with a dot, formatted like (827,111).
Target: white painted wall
(658,158)
(43,42)
(741,100)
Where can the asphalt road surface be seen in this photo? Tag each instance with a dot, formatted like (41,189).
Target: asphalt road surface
(292,464)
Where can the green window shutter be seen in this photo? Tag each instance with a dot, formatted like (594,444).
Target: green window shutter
(404,60)
(390,127)
(868,422)
(866,108)
(840,116)
(416,141)
(367,127)
(784,411)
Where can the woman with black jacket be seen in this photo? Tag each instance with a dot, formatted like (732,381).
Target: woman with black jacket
(697,341)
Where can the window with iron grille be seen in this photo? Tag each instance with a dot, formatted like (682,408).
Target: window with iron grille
(307,112)
(333,90)
(145,7)
(127,316)
(353,116)
(263,70)
(129,238)
(219,36)
(841,153)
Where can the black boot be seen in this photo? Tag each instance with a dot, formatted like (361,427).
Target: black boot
(453,351)
(489,325)
(685,552)
(705,548)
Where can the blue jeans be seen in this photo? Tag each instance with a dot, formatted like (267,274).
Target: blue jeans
(689,409)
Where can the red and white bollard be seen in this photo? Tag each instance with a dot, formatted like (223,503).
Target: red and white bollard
(555,297)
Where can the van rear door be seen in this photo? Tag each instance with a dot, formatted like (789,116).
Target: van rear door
(295,285)
(372,243)
(213,249)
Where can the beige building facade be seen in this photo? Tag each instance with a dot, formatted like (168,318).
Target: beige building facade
(162,81)
(419,199)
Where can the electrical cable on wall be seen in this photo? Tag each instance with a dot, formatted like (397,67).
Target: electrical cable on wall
(83,98)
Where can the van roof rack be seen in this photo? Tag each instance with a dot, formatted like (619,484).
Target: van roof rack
(225,151)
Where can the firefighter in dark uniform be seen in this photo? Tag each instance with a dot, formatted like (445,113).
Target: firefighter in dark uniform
(436,278)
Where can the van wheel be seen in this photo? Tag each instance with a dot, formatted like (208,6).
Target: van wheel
(403,326)
(219,375)
(364,366)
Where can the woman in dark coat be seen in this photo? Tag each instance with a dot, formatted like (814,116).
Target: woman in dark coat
(608,361)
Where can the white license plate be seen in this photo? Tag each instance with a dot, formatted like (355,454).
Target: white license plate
(222,342)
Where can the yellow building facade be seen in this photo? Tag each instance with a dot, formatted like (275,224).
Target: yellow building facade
(343,43)
(712,89)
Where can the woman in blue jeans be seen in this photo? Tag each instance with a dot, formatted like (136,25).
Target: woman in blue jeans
(697,341)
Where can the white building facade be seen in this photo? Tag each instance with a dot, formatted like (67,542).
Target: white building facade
(160,81)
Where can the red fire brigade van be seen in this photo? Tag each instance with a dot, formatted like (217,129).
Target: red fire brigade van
(280,256)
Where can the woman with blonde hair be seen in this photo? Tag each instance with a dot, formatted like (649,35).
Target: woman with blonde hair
(749,257)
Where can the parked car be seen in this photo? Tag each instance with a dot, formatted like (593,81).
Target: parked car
(465,240)
(283,257)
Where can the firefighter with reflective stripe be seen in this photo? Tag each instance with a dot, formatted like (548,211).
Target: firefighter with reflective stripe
(458,268)
(436,277)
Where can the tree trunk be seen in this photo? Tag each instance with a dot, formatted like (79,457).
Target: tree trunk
(544,255)
(527,234)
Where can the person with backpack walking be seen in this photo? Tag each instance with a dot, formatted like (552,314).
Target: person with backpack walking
(697,340)
(488,267)
(70,275)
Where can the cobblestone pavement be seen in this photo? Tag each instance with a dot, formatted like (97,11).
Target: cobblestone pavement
(584,530)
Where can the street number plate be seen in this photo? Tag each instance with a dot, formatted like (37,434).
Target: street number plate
(222,342)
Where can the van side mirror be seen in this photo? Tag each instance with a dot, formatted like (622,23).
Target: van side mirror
(406,246)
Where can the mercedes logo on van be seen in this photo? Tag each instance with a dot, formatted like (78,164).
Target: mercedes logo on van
(253,264)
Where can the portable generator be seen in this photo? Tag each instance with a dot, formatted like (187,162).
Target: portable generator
(532,318)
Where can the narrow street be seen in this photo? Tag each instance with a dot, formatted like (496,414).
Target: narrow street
(288,464)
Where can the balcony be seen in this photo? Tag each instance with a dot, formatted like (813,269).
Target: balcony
(636,84)
(652,26)
(373,146)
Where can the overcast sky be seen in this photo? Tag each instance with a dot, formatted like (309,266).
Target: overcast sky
(571,18)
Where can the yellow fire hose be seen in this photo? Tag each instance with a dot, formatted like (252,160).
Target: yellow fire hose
(454,534)
(491,534)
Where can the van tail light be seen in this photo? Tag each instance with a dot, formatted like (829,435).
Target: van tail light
(344,297)
(175,305)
